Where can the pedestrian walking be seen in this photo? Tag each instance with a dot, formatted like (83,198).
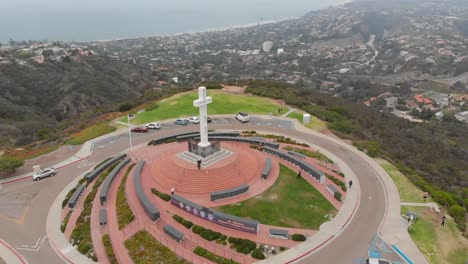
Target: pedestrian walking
(350,183)
(199,163)
(299,174)
(443,221)
(425,195)
(172,191)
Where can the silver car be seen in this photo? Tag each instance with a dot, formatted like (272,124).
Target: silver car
(44,173)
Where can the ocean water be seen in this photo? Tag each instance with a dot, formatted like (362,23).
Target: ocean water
(105,19)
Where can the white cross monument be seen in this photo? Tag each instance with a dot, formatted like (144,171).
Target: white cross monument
(202,102)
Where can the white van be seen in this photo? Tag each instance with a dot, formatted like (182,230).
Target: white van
(243,117)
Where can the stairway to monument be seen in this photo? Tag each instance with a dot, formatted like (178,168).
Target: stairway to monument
(169,172)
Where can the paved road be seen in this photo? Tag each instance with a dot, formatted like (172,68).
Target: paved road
(29,223)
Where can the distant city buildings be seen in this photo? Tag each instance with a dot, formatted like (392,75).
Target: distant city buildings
(267,46)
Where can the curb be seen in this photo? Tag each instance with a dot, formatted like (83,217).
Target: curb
(20,258)
(29,176)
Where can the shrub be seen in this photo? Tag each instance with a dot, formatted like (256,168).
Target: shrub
(182,221)
(152,106)
(166,197)
(242,245)
(125,107)
(282,248)
(459,215)
(84,247)
(337,196)
(337,182)
(212,257)
(10,164)
(298,237)
(198,229)
(210,235)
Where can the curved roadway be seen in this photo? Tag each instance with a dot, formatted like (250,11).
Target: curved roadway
(30,223)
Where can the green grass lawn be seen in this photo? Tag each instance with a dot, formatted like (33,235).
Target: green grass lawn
(408,191)
(315,123)
(438,245)
(181,105)
(90,133)
(290,202)
(144,249)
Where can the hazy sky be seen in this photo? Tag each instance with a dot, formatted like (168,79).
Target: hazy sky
(107,19)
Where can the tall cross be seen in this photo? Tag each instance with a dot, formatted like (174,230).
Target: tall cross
(202,103)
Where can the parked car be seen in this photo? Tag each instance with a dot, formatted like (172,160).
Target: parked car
(243,117)
(153,126)
(193,120)
(140,129)
(181,122)
(47,172)
(377,261)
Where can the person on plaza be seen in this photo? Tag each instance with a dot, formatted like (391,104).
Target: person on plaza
(350,183)
(199,163)
(172,191)
(299,174)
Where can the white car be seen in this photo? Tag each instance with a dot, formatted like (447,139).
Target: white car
(243,117)
(193,120)
(44,173)
(153,126)
(377,261)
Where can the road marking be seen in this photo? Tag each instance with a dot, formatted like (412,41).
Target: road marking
(36,247)
(18,221)
(82,163)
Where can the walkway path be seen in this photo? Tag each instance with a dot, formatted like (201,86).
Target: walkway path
(288,112)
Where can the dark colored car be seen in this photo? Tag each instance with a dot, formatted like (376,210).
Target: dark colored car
(140,129)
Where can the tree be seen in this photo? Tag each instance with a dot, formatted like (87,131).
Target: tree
(10,164)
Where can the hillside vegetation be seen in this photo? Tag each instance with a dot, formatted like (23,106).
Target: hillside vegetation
(433,155)
(37,100)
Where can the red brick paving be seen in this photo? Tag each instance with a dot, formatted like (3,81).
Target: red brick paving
(164,170)
(96,234)
(77,211)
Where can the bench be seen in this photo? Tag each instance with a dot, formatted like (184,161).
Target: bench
(300,155)
(109,179)
(258,142)
(152,212)
(306,167)
(277,233)
(331,189)
(229,192)
(103,216)
(267,169)
(92,175)
(173,233)
(75,196)
(210,134)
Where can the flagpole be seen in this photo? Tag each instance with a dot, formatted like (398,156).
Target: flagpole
(129,133)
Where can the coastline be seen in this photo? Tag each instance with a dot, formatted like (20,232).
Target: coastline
(266,22)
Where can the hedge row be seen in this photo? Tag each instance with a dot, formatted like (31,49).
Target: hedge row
(242,245)
(257,254)
(298,237)
(166,197)
(212,257)
(109,250)
(182,221)
(337,182)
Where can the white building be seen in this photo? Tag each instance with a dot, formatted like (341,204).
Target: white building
(267,45)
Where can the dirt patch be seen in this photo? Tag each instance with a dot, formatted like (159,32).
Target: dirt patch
(273,197)
(233,89)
